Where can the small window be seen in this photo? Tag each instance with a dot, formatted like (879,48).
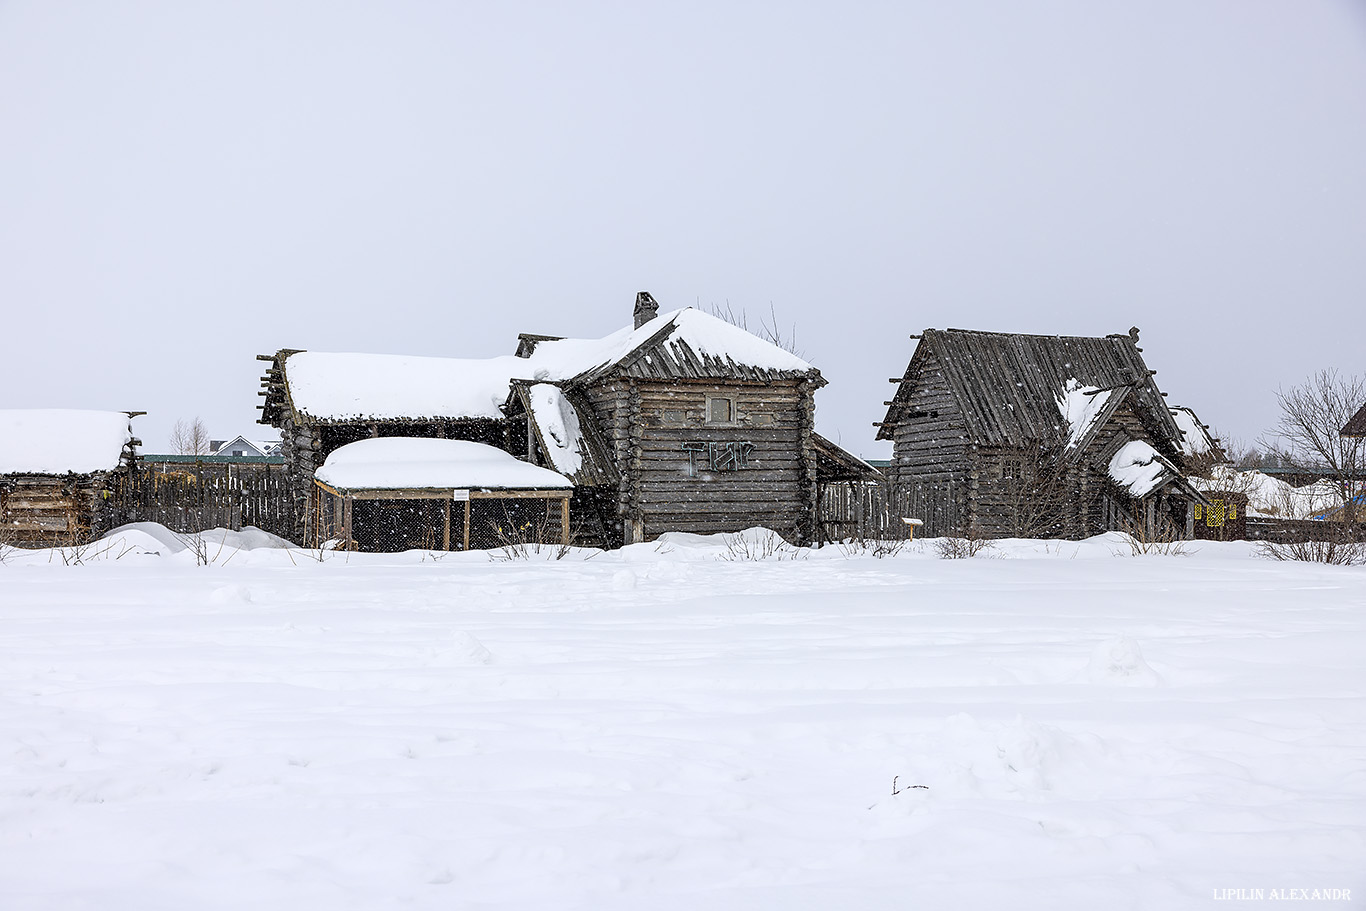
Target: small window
(1012,469)
(719,411)
(238,452)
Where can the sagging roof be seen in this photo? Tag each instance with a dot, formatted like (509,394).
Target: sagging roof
(1196,441)
(1138,469)
(1011,388)
(835,463)
(61,441)
(327,387)
(565,433)
(405,463)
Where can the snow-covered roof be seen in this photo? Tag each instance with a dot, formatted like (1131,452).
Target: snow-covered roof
(261,447)
(404,463)
(1268,496)
(330,386)
(1080,406)
(1195,439)
(1010,388)
(58,441)
(1140,469)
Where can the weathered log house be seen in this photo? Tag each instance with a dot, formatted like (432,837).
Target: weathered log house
(57,467)
(680,422)
(1041,435)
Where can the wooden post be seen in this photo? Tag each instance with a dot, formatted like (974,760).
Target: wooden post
(467,525)
(346,522)
(564,521)
(446,526)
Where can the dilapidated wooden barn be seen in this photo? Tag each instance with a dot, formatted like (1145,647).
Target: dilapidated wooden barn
(1042,436)
(57,469)
(678,422)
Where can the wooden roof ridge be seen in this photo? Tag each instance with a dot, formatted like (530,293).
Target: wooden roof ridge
(527,342)
(625,361)
(1006,384)
(683,362)
(275,387)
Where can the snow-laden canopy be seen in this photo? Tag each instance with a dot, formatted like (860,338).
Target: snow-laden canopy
(1080,406)
(404,463)
(386,386)
(58,441)
(559,425)
(1139,468)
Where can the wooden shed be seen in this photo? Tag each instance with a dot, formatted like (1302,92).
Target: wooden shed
(1042,436)
(398,493)
(57,468)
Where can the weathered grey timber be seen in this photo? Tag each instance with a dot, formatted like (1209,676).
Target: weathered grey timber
(982,412)
(675,433)
(701,443)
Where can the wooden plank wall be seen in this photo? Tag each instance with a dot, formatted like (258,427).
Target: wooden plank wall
(861,511)
(190,497)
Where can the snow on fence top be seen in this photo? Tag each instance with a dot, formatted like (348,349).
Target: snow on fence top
(403,463)
(58,441)
(385,386)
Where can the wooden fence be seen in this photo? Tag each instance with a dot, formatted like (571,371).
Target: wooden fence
(1292,531)
(865,511)
(195,496)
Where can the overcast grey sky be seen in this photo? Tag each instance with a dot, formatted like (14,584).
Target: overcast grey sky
(184,186)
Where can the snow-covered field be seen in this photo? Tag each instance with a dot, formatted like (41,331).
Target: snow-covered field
(1067,725)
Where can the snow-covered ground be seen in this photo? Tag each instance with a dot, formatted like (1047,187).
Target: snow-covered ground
(1067,726)
(1268,496)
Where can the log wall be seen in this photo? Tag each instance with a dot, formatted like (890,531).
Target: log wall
(49,511)
(686,473)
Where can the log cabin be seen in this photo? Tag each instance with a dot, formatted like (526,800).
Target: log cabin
(1049,436)
(57,470)
(678,422)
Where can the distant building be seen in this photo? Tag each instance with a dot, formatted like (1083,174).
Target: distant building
(241,446)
